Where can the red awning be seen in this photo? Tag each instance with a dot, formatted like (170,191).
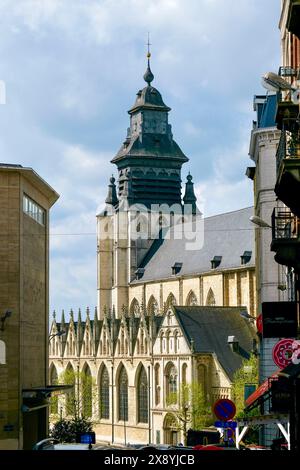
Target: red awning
(261,390)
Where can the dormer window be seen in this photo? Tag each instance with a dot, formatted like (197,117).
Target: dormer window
(215,262)
(176,268)
(246,257)
(139,273)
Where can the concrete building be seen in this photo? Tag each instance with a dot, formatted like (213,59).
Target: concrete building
(25,201)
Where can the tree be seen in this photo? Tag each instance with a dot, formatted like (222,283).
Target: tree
(247,374)
(79,401)
(190,408)
(66,430)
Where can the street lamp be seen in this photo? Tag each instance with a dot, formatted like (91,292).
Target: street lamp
(186,418)
(3,318)
(59,334)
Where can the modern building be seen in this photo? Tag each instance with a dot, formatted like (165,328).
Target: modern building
(173,289)
(25,202)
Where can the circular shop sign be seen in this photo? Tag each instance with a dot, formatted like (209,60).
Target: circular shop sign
(283,352)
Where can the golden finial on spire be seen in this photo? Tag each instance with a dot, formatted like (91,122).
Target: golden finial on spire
(148,45)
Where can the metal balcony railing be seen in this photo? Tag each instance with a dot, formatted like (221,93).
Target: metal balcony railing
(287,71)
(285,225)
(289,143)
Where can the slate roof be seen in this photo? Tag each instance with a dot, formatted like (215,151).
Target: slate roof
(268,112)
(228,235)
(209,327)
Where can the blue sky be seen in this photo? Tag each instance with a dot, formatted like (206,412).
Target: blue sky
(72,69)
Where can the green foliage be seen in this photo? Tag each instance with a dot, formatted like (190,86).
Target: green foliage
(79,401)
(65,430)
(247,374)
(190,407)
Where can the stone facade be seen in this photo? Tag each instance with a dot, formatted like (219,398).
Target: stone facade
(152,345)
(24,292)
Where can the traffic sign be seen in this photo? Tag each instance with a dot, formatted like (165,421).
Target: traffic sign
(224,409)
(283,352)
(226,424)
(259,324)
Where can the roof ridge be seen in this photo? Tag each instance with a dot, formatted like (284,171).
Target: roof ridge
(229,212)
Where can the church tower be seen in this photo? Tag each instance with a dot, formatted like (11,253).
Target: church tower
(149,177)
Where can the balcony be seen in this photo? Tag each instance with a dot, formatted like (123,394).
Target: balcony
(293,20)
(287,186)
(286,237)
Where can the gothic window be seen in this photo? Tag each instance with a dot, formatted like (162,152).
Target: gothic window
(157,383)
(152,308)
(69,379)
(134,308)
(184,369)
(122,342)
(176,342)
(56,347)
(168,341)
(191,299)
(171,300)
(142,342)
(161,342)
(74,349)
(143,397)
(171,383)
(86,392)
(210,300)
(123,395)
(104,394)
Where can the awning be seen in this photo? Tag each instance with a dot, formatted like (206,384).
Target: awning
(36,398)
(45,392)
(262,393)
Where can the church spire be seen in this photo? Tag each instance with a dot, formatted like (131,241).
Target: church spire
(189,197)
(148,75)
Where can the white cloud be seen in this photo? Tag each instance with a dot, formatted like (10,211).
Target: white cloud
(72,69)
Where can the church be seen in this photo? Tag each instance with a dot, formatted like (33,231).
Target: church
(176,293)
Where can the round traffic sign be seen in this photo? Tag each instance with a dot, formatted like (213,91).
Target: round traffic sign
(283,352)
(224,409)
(259,324)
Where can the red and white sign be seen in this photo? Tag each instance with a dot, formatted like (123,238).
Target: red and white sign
(283,352)
(259,324)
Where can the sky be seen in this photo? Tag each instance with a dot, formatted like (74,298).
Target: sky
(71,70)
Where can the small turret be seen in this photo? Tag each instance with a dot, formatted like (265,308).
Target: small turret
(189,198)
(112,198)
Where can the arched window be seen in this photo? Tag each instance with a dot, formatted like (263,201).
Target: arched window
(69,379)
(162,342)
(104,395)
(168,341)
(171,300)
(210,299)
(123,395)
(134,308)
(191,299)
(152,308)
(86,392)
(157,383)
(143,397)
(176,342)
(184,369)
(171,383)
